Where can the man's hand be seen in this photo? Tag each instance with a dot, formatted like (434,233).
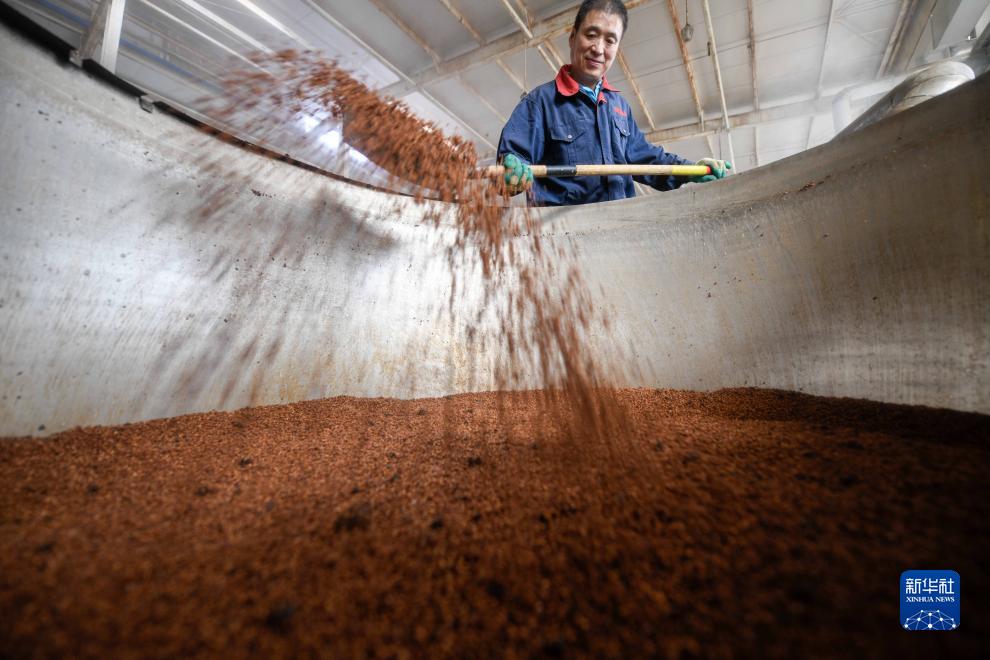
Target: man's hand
(518,175)
(718,167)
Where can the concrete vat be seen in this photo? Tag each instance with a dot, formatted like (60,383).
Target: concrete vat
(860,268)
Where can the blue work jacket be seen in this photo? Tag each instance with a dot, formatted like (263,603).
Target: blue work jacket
(556,124)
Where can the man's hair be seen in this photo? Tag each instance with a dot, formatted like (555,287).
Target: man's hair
(614,7)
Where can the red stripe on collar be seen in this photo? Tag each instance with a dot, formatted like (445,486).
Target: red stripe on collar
(567,86)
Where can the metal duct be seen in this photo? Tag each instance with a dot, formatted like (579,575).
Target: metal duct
(922,86)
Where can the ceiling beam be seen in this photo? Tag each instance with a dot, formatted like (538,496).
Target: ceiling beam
(555,60)
(718,77)
(523,23)
(821,67)
(752,74)
(906,36)
(558,60)
(632,83)
(868,37)
(524,26)
(394,69)
(520,83)
(752,54)
(895,34)
(553,26)
(546,58)
(434,55)
(405,27)
(778,113)
(481,41)
(763,116)
(484,101)
(828,36)
(686,59)
(456,13)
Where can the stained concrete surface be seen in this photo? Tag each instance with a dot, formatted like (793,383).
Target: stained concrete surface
(860,268)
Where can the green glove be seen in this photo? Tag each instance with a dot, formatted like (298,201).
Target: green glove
(718,167)
(518,174)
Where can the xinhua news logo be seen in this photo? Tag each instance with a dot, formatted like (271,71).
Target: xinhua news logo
(930,600)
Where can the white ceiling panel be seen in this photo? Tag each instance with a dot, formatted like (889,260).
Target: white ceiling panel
(498,88)
(674,102)
(650,23)
(463,102)
(729,22)
(783,134)
(773,17)
(674,113)
(850,72)
(691,148)
(871,17)
(429,111)
(438,29)
(375,29)
(786,89)
(488,18)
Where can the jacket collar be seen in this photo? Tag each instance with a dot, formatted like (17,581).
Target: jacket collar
(567,86)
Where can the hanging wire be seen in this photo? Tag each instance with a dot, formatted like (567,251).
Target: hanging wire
(525,73)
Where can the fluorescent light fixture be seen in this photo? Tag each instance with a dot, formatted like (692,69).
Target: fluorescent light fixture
(268,18)
(203,11)
(309,122)
(199,33)
(331,139)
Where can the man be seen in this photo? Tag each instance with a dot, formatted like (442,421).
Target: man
(578,118)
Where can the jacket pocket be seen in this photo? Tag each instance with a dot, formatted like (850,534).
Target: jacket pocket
(620,139)
(568,145)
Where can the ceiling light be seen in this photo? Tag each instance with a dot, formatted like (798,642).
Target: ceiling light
(271,20)
(331,139)
(243,36)
(688,30)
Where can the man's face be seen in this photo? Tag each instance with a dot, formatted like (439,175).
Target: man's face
(594,46)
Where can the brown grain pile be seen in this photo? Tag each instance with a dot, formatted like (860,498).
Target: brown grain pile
(741,523)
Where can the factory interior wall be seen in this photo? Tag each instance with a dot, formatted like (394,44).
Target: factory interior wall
(149,270)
